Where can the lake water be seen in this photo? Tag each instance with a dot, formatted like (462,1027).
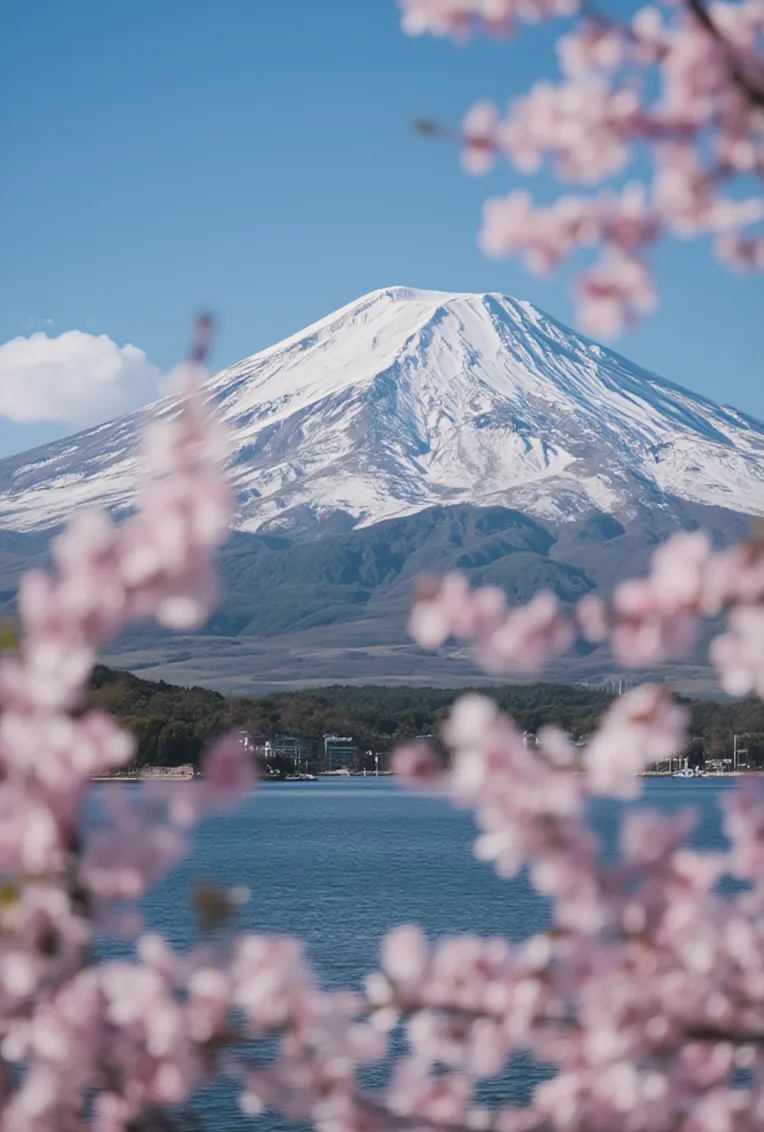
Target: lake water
(339,861)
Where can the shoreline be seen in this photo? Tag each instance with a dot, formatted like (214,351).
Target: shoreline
(170,774)
(163,773)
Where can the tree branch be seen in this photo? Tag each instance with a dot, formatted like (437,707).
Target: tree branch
(734,1037)
(754,93)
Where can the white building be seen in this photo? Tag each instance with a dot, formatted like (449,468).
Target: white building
(339,751)
(286,747)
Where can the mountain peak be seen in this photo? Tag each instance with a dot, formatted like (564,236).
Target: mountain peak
(405,399)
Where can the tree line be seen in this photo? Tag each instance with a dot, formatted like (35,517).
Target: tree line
(172,724)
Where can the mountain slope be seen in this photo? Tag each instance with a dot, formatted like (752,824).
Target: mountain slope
(405,400)
(335,608)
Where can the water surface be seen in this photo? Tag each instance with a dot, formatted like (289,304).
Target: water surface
(340,861)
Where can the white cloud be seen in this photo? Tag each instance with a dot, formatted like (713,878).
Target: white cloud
(82,379)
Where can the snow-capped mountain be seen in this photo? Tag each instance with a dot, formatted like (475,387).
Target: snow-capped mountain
(405,399)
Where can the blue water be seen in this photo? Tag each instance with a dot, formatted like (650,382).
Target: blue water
(339,861)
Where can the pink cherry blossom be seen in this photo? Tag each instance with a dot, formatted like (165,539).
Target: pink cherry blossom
(229,770)
(662,974)
(418,763)
(672,94)
(739,653)
(644,727)
(478,129)
(405,955)
(459,17)
(522,638)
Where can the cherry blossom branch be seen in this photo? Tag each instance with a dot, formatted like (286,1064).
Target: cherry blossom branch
(703,129)
(718,1034)
(753,92)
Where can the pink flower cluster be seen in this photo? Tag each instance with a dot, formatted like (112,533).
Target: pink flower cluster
(460,17)
(146,1034)
(522,638)
(651,619)
(677,88)
(646,993)
(55,892)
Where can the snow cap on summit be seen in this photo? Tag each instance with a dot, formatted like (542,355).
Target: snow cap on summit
(405,399)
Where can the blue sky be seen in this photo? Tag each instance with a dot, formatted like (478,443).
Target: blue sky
(257,159)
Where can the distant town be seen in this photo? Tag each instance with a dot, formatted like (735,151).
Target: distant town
(344,729)
(290,758)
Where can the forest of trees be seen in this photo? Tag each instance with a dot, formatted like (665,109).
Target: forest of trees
(172,724)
